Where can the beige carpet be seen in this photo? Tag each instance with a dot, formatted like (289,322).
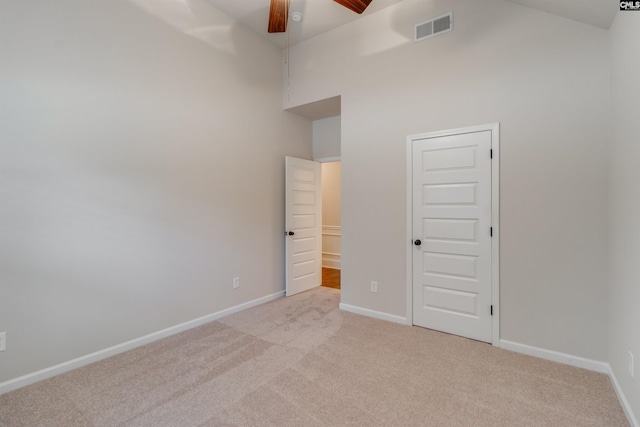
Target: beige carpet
(299,361)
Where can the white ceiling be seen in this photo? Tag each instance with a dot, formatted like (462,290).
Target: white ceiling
(599,13)
(320,16)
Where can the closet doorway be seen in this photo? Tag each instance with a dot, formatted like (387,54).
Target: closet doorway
(326,119)
(331,223)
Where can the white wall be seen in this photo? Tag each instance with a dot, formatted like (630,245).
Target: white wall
(624,221)
(331,193)
(326,138)
(141,168)
(546,80)
(331,214)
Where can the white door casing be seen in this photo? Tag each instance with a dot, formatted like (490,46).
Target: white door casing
(303,225)
(453,196)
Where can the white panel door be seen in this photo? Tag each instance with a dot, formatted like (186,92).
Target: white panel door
(303,223)
(452,234)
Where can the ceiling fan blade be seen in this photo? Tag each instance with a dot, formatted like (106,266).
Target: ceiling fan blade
(358,6)
(278,16)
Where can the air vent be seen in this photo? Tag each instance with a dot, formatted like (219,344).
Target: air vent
(434,26)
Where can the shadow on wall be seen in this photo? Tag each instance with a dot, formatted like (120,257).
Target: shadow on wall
(200,20)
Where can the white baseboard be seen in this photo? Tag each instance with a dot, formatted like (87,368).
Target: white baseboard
(373,313)
(633,421)
(331,260)
(567,359)
(61,368)
(580,362)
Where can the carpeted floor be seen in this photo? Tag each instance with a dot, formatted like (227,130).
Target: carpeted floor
(299,361)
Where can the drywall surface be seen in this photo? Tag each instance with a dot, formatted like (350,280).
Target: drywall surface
(141,169)
(326,138)
(545,79)
(624,221)
(331,193)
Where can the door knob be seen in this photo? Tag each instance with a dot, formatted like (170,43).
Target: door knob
(417,242)
(291,233)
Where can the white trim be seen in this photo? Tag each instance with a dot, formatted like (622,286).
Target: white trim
(333,233)
(494,128)
(331,260)
(331,230)
(409,223)
(373,313)
(495,240)
(555,356)
(328,159)
(578,362)
(626,406)
(61,368)
(332,264)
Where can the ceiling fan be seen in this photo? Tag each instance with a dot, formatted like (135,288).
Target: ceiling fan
(279,12)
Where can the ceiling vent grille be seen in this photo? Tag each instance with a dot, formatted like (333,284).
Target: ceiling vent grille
(433,27)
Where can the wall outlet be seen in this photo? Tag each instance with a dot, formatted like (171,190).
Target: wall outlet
(236,282)
(631,364)
(3,341)
(374,286)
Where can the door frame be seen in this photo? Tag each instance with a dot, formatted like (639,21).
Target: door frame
(494,128)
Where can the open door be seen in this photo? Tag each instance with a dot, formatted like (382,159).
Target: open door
(303,225)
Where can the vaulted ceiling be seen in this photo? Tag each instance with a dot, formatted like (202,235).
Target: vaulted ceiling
(320,16)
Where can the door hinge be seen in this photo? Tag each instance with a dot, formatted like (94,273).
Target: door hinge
(492,310)
(491,153)
(491,231)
